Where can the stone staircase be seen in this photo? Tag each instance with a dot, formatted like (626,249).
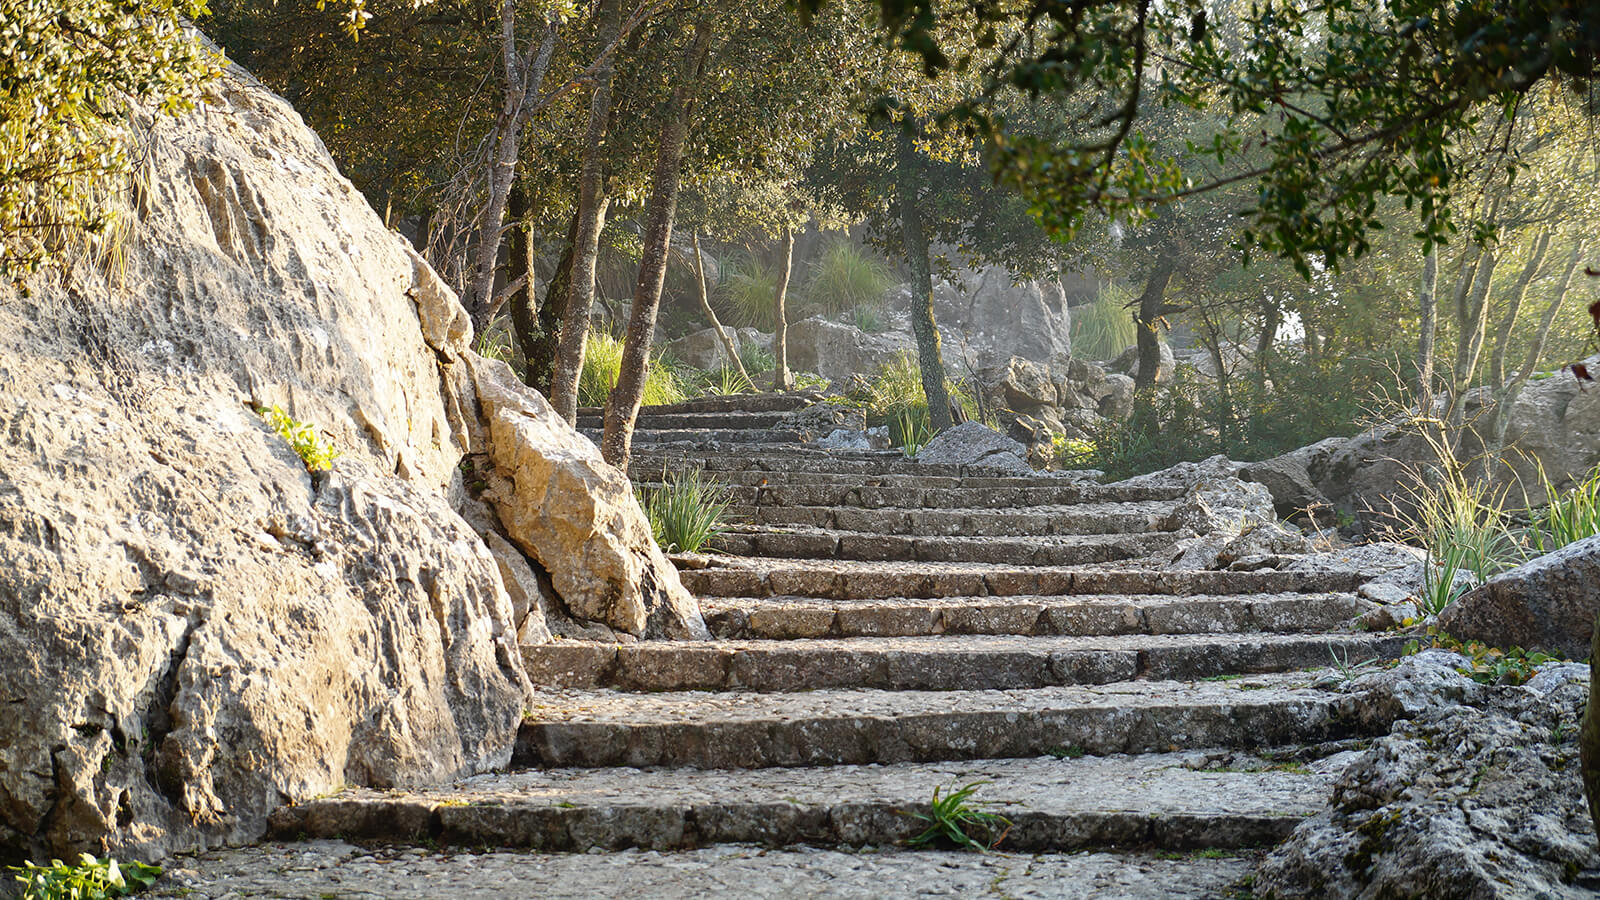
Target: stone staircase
(883,628)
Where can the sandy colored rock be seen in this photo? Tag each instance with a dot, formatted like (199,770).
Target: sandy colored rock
(567,508)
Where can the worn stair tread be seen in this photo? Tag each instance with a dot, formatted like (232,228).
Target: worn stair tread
(1093,517)
(731,419)
(1041,550)
(777,493)
(796,617)
(779,402)
(1167,801)
(705,435)
(328,868)
(940,662)
(856,579)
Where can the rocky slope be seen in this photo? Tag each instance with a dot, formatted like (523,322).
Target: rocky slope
(194,629)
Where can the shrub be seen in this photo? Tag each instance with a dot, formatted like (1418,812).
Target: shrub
(317,455)
(1104,328)
(602,362)
(686,511)
(750,288)
(846,278)
(89,879)
(895,399)
(756,358)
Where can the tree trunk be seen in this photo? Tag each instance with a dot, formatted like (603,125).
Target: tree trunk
(782,379)
(524,76)
(1428,306)
(1589,733)
(590,222)
(929,357)
(622,407)
(728,346)
(1502,338)
(1471,321)
(520,261)
(1145,322)
(1266,341)
(1508,400)
(540,342)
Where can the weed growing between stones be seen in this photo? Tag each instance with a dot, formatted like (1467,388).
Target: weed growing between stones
(686,511)
(1486,665)
(88,879)
(1440,588)
(1569,517)
(953,817)
(302,436)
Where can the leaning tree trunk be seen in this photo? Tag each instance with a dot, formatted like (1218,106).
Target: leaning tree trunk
(1428,307)
(1513,390)
(782,378)
(913,234)
(622,407)
(1146,319)
(590,222)
(539,337)
(520,270)
(728,345)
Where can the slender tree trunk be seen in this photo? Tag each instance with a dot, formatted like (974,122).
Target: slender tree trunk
(1513,390)
(929,356)
(1502,338)
(728,346)
(590,222)
(1145,321)
(524,76)
(622,407)
(1428,306)
(782,379)
(1471,321)
(1266,341)
(521,300)
(1589,732)
(540,342)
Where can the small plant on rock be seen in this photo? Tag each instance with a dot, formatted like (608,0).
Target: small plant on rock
(686,511)
(88,879)
(954,818)
(1569,517)
(302,436)
(1440,587)
(1485,664)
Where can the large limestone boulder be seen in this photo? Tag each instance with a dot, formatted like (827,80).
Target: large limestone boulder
(992,317)
(194,629)
(1548,604)
(976,444)
(836,350)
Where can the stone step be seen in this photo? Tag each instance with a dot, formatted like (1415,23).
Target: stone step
(1161,801)
(655,421)
(851,580)
(1078,519)
(859,496)
(786,618)
(845,727)
(333,868)
(1059,550)
(796,457)
(698,436)
(939,662)
(753,403)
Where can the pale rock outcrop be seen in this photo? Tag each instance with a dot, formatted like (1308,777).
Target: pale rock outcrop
(195,630)
(991,317)
(1475,794)
(978,445)
(836,350)
(1549,604)
(564,506)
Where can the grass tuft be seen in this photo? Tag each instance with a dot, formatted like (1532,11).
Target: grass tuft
(1104,328)
(954,818)
(602,363)
(848,279)
(686,511)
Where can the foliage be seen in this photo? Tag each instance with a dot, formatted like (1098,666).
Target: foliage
(1104,328)
(846,278)
(751,287)
(756,358)
(952,817)
(1486,665)
(602,362)
(686,511)
(894,398)
(868,318)
(71,74)
(89,879)
(1457,517)
(723,381)
(1071,453)
(1568,517)
(910,429)
(302,436)
(1440,584)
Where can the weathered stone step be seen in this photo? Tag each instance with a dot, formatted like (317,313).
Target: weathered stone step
(796,457)
(1077,519)
(851,580)
(951,477)
(859,496)
(333,868)
(1060,550)
(784,402)
(839,727)
(655,421)
(697,436)
(939,663)
(1153,801)
(783,618)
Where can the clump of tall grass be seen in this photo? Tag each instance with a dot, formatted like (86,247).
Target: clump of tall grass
(846,278)
(1104,328)
(1568,517)
(750,289)
(895,398)
(686,511)
(602,362)
(756,358)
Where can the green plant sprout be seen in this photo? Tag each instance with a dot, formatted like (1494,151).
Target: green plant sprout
(953,817)
(317,455)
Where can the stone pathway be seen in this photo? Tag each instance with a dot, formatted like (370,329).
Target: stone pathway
(887,628)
